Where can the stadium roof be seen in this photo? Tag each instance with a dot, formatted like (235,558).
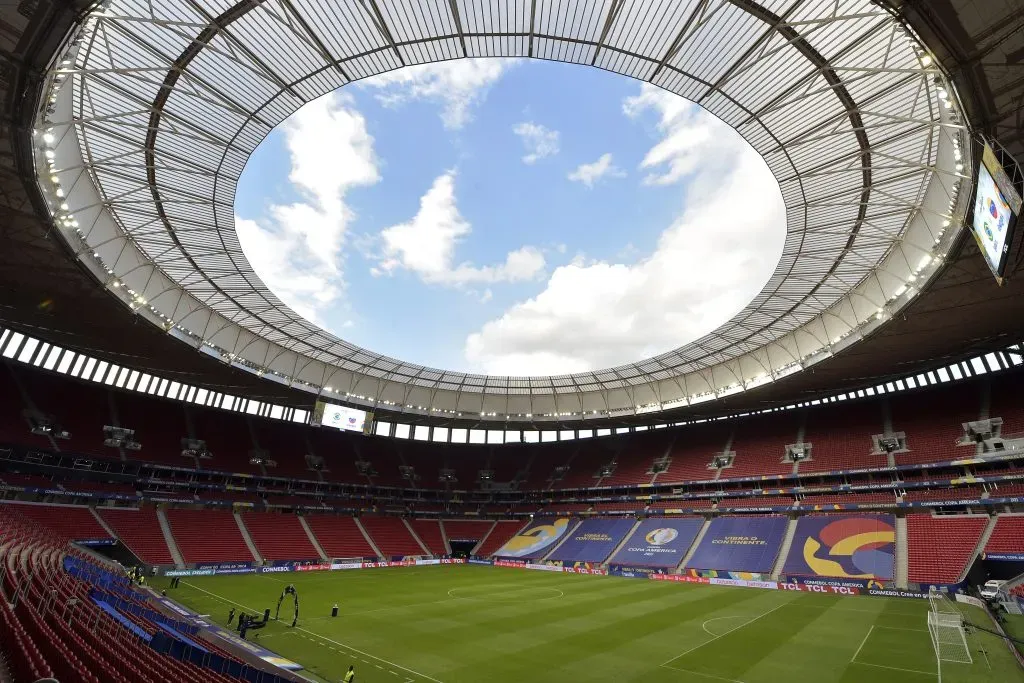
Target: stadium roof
(829,61)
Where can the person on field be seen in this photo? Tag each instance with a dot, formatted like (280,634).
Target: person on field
(350,675)
(231,615)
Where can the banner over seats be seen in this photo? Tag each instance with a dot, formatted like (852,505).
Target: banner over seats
(535,540)
(843,546)
(593,540)
(659,542)
(748,544)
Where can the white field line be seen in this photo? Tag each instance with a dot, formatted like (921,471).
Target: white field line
(299,628)
(745,623)
(901,628)
(896,668)
(700,673)
(705,624)
(868,635)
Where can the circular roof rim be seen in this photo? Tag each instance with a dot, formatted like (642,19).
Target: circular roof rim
(495,381)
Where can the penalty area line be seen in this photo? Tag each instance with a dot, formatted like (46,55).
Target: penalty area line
(317,635)
(896,668)
(701,673)
(868,635)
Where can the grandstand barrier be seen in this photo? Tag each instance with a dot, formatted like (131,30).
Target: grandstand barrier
(286,567)
(1003,557)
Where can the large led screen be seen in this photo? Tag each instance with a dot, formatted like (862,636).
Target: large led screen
(992,221)
(341,417)
(996,206)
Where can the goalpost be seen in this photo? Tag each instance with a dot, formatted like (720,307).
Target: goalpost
(946,628)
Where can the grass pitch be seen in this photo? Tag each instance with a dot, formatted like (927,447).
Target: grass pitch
(458,624)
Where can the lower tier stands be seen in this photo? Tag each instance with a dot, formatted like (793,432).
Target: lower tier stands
(114,648)
(279,537)
(71,522)
(1008,536)
(501,534)
(391,536)
(208,536)
(429,531)
(140,531)
(339,536)
(939,547)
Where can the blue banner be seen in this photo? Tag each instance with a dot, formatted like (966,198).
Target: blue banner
(746,544)
(593,540)
(659,542)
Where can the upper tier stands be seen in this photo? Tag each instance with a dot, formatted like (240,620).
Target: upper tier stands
(1007,402)
(592,455)
(691,452)
(208,536)
(279,536)
(760,445)
(932,421)
(285,444)
(339,536)
(841,439)
(75,407)
(140,531)
(159,426)
(840,433)
(940,547)
(391,536)
(227,437)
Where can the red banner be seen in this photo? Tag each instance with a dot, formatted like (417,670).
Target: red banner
(832,590)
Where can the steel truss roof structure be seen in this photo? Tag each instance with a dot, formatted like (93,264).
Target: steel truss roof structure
(155,106)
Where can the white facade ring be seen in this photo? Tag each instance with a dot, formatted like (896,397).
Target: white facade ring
(154,106)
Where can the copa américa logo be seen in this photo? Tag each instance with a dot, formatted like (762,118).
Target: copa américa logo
(661,536)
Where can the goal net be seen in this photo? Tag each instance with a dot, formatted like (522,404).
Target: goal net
(946,628)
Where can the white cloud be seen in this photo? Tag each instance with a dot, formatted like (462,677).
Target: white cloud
(708,264)
(540,142)
(458,85)
(426,245)
(688,133)
(296,248)
(589,174)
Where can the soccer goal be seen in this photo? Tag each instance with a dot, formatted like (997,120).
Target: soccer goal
(946,628)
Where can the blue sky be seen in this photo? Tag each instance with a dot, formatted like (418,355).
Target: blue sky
(512,217)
